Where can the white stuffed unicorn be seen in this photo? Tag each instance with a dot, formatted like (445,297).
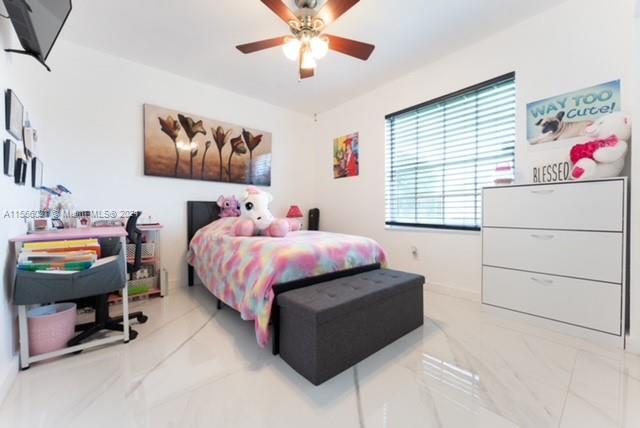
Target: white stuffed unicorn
(256,219)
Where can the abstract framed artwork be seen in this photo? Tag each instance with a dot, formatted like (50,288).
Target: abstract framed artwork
(188,146)
(9,151)
(346,153)
(14,114)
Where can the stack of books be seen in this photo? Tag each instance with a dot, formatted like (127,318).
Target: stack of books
(61,256)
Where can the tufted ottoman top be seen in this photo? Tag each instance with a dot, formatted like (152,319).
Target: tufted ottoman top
(323,302)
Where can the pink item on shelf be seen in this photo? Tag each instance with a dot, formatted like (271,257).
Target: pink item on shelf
(503,174)
(51,327)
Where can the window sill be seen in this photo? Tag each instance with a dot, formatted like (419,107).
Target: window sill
(397,228)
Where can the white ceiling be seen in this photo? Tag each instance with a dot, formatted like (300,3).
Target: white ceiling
(197,39)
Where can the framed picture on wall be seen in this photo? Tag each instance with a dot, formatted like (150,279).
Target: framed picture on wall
(182,145)
(36,173)
(29,138)
(9,150)
(14,114)
(20,174)
(567,117)
(345,156)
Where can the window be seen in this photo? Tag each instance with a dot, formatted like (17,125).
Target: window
(440,154)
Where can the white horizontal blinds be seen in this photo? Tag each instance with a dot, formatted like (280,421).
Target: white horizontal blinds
(442,153)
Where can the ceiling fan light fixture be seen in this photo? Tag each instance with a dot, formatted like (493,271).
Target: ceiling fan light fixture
(308,61)
(307,42)
(319,46)
(291,48)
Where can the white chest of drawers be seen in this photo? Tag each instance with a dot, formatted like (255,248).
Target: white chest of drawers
(556,253)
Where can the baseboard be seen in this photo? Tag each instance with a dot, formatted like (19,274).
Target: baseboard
(8,377)
(454,291)
(632,345)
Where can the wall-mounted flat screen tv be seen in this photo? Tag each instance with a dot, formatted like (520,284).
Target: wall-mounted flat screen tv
(38,24)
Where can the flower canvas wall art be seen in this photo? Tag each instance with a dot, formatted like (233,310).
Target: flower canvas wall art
(183,145)
(346,152)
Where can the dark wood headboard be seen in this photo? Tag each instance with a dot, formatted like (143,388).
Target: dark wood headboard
(199,214)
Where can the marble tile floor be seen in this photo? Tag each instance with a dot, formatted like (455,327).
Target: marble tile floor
(195,366)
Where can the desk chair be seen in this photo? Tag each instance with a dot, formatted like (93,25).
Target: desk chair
(101,303)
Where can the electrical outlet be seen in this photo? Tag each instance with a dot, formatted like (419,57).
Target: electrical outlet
(414,251)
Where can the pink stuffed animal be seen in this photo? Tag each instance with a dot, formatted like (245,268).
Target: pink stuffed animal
(229,207)
(255,217)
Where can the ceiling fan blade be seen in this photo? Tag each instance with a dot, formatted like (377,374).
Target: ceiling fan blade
(262,44)
(350,47)
(306,73)
(280,9)
(334,9)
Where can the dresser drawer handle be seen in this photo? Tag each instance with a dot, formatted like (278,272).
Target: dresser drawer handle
(542,281)
(542,237)
(543,191)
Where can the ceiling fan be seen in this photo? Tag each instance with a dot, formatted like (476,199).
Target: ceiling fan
(309,42)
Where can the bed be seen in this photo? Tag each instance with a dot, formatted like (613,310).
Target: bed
(247,274)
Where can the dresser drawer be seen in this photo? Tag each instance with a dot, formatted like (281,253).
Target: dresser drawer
(588,304)
(594,205)
(588,255)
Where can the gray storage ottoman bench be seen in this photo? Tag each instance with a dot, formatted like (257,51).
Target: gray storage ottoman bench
(328,327)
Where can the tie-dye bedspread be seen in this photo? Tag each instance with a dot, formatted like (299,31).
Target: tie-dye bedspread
(241,271)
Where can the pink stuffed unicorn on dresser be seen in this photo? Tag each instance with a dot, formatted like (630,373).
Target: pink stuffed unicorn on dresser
(256,219)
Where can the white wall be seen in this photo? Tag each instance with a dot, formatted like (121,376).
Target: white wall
(89,116)
(92,134)
(12,197)
(577,44)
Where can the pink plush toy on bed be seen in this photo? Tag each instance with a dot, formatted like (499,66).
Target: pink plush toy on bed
(256,219)
(229,207)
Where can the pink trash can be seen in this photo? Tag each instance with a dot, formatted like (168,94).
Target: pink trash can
(51,327)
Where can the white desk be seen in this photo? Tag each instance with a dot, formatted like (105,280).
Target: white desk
(65,235)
